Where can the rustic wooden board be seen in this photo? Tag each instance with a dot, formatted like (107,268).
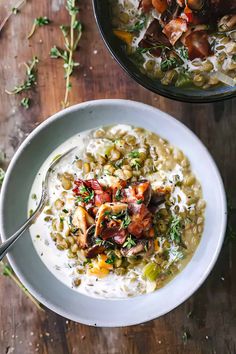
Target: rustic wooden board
(25,330)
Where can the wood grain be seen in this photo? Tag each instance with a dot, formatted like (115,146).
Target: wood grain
(25,330)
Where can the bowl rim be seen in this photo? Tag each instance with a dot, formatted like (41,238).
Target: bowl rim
(160,91)
(51,120)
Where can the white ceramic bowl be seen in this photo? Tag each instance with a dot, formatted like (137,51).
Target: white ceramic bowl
(13,210)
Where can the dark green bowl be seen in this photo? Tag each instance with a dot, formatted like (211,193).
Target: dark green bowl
(191,94)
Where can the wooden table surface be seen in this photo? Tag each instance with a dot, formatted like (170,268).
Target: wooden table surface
(24,329)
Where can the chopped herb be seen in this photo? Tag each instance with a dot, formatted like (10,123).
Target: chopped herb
(98,241)
(30,79)
(31,212)
(140,201)
(234,57)
(25,102)
(65,211)
(107,212)
(183,52)
(38,22)
(34,196)
(86,195)
(72,35)
(111,259)
(148,49)
(2,175)
(129,243)
(169,63)
(118,194)
(139,25)
(134,154)
(126,221)
(37,236)
(136,164)
(175,229)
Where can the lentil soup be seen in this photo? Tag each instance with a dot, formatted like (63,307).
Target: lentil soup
(125,213)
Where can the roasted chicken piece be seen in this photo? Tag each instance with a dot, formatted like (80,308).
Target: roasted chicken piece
(104,211)
(137,191)
(174,29)
(141,221)
(82,221)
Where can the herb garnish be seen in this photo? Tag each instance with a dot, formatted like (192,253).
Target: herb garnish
(234,57)
(30,79)
(169,63)
(139,25)
(139,201)
(111,259)
(72,35)
(136,164)
(134,154)
(25,102)
(175,229)
(183,52)
(38,22)
(125,222)
(118,194)
(129,243)
(86,195)
(141,50)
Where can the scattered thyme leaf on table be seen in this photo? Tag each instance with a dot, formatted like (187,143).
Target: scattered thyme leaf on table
(14,11)
(25,102)
(72,35)
(38,22)
(30,79)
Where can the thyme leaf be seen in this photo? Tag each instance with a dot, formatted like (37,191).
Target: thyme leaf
(25,102)
(30,79)
(38,22)
(129,243)
(175,229)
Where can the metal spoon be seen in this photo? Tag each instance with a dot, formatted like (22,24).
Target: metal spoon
(6,246)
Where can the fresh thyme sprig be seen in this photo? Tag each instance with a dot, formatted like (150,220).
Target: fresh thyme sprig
(14,11)
(38,22)
(30,79)
(7,271)
(72,35)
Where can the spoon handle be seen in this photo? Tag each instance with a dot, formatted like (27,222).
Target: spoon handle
(6,246)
